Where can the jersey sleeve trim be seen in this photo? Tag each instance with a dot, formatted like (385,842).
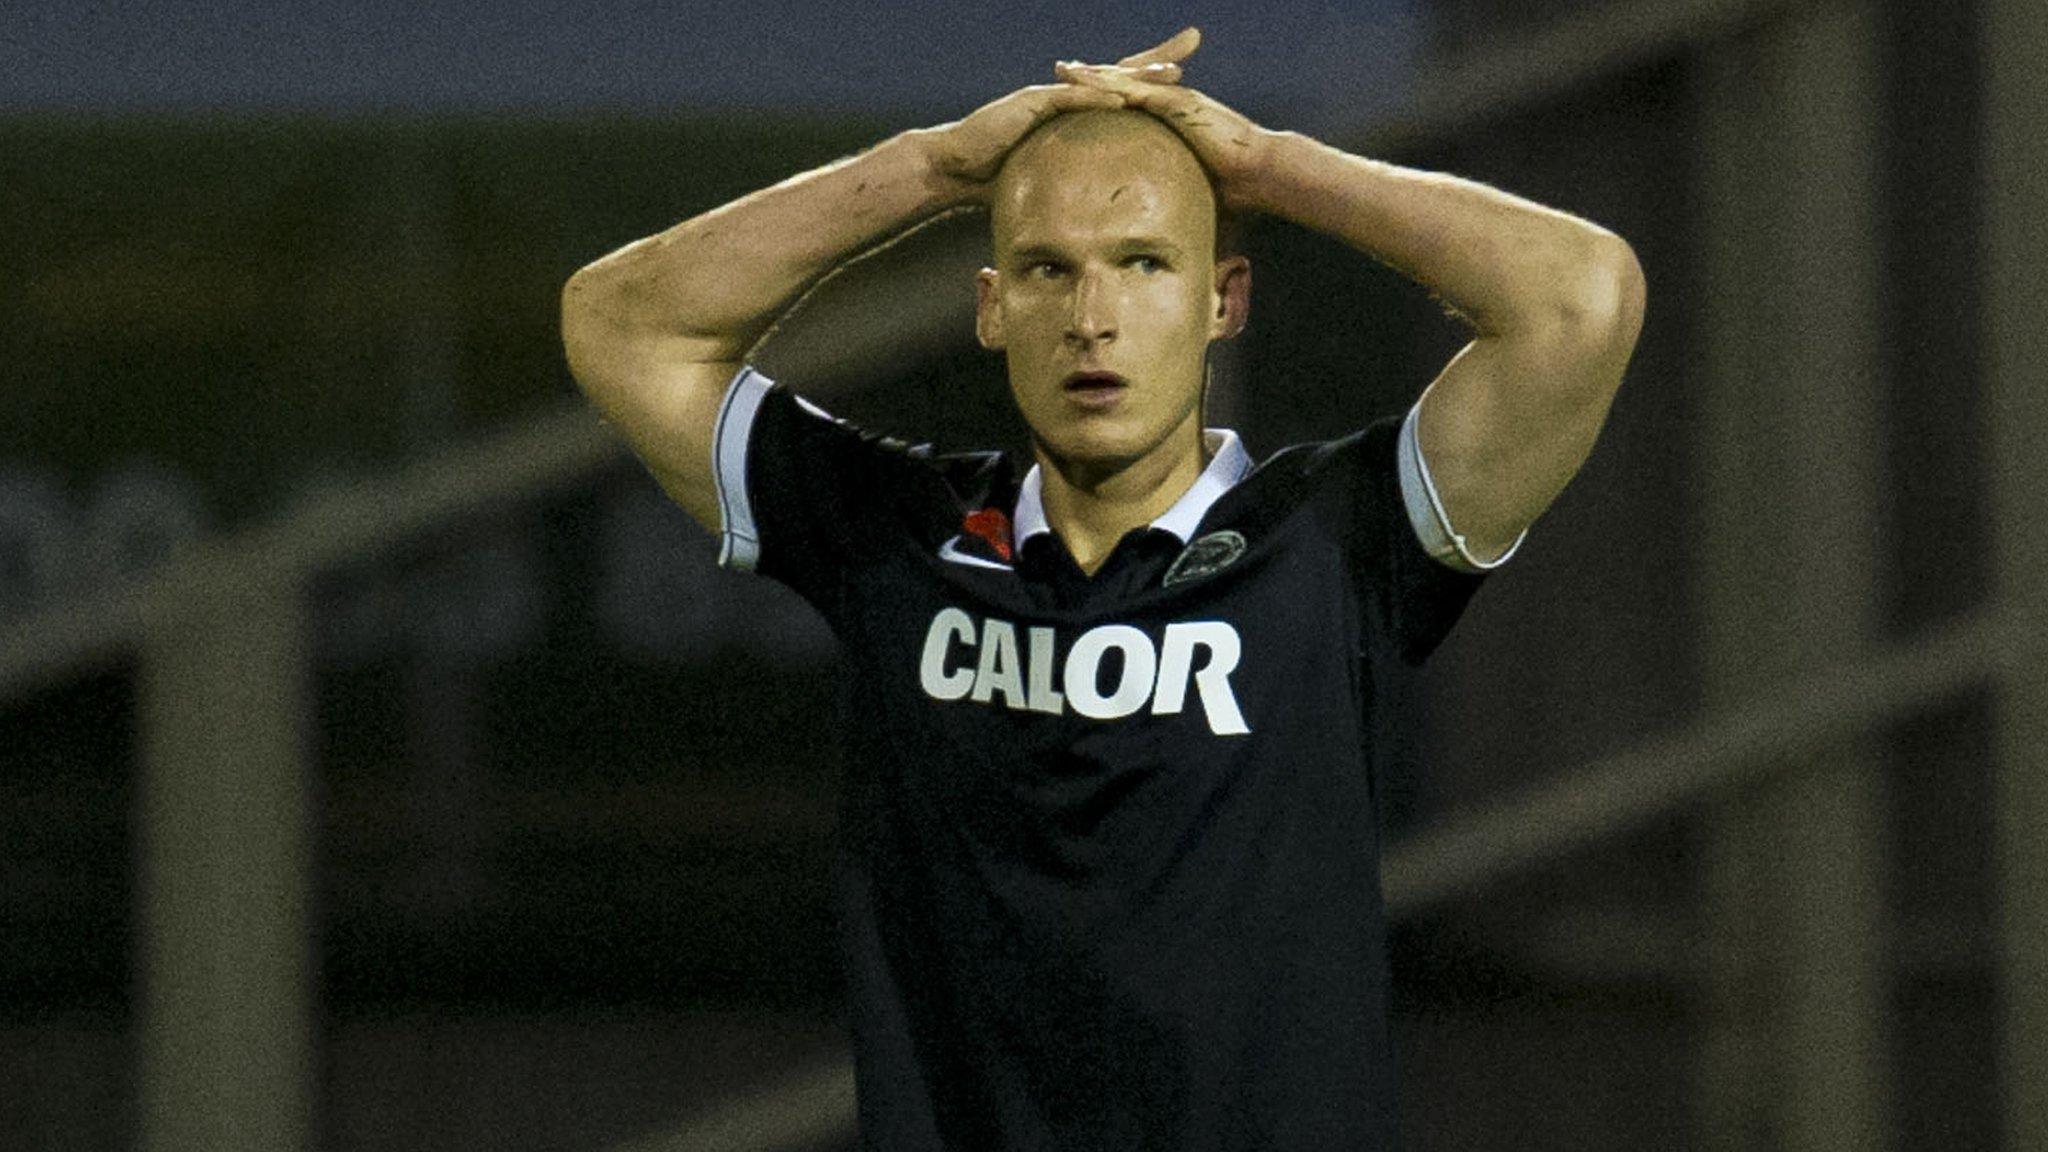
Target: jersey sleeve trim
(1426,509)
(739,543)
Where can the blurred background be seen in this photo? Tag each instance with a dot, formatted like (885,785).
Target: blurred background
(385,766)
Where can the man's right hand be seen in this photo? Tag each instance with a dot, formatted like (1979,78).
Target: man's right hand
(967,153)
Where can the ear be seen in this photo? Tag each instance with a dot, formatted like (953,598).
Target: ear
(988,311)
(1233,297)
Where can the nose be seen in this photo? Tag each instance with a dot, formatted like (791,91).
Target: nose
(1093,318)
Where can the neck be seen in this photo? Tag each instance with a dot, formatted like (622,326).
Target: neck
(1090,507)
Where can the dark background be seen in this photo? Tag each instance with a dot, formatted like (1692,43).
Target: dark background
(572,787)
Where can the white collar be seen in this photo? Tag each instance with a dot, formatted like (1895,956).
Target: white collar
(1228,464)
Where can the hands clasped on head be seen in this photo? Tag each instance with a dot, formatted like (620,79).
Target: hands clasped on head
(970,151)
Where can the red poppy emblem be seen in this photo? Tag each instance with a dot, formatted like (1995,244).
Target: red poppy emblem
(992,526)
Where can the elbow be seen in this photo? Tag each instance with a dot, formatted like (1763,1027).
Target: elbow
(1584,300)
(589,297)
(583,293)
(609,294)
(591,330)
(1605,305)
(1628,290)
(605,305)
(1608,319)
(577,317)
(1580,342)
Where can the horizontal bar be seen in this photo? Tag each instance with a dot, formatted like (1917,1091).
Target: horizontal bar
(1665,775)
(1457,91)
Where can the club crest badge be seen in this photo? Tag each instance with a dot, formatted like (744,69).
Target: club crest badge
(1204,556)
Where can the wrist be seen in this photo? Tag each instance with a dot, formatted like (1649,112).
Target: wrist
(1258,185)
(944,189)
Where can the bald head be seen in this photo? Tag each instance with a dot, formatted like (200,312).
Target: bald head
(1122,149)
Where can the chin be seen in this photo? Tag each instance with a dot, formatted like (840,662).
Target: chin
(1099,441)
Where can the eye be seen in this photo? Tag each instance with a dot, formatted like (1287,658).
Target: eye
(1147,264)
(1042,269)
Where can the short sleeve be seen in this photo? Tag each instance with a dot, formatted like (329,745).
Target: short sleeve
(801,496)
(1409,599)
(1425,508)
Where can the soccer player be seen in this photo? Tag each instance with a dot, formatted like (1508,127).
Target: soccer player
(1108,860)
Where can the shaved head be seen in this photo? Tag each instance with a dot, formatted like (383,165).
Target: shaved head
(1115,140)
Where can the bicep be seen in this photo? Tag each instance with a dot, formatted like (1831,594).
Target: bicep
(1511,419)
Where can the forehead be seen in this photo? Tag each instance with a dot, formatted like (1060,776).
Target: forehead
(1115,182)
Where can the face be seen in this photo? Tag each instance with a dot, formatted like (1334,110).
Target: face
(1106,292)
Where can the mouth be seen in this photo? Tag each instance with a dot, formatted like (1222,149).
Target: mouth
(1094,389)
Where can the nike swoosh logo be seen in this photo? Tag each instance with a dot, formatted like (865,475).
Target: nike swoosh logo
(948,551)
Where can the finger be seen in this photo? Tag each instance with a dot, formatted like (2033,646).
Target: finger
(1091,77)
(1159,99)
(1157,73)
(1175,48)
(1071,97)
(1118,80)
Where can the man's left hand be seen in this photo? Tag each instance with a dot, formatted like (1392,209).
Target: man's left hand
(1227,143)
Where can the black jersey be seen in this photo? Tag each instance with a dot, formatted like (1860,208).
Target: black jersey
(1108,858)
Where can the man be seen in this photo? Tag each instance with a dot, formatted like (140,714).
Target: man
(1109,861)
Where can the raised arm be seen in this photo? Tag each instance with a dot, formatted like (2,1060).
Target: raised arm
(1555,302)
(655,330)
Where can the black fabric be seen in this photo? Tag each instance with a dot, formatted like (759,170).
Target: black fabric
(1140,931)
